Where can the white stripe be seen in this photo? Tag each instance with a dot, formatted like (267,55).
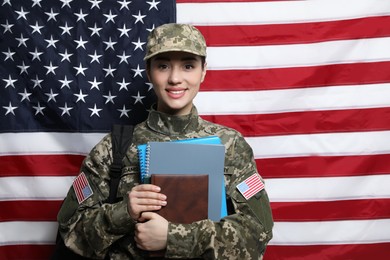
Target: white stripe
(328,144)
(331,232)
(328,189)
(48,143)
(22,232)
(34,188)
(298,55)
(287,11)
(293,100)
(285,233)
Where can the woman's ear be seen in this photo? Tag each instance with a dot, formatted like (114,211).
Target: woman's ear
(204,72)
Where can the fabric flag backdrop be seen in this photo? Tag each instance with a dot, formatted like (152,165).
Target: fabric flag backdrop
(306,82)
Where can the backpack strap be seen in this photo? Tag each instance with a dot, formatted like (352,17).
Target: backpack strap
(121,139)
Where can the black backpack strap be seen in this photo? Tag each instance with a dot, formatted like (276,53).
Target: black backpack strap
(121,139)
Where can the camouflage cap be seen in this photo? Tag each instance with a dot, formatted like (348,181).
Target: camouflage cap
(175,37)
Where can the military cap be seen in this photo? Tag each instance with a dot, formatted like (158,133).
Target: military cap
(175,37)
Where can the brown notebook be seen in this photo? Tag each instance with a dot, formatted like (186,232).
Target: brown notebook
(187,196)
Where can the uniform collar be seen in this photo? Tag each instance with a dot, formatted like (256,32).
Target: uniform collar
(173,125)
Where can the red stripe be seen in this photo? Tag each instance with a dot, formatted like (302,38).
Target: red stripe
(296,33)
(44,165)
(226,1)
(29,210)
(331,210)
(378,251)
(308,122)
(30,252)
(300,77)
(324,166)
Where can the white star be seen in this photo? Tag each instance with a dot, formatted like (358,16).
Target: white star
(37,2)
(124,111)
(95,57)
(7,26)
(137,71)
(66,29)
(124,31)
(94,83)
(37,81)
(51,42)
(36,54)
(139,17)
(138,98)
(95,3)
(51,68)
(80,43)
(8,55)
(124,4)
(150,86)
(153,5)
(109,71)
(123,84)
(80,96)
(65,55)
(38,109)
(151,29)
(110,17)
(138,45)
(95,111)
(123,57)
(10,81)
(10,109)
(66,3)
(22,13)
(109,98)
(25,95)
(6,2)
(95,30)
(110,44)
(22,40)
(65,82)
(80,69)
(65,109)
(36,28)
(51,15)
(23,68)
(80,16)
(51,96)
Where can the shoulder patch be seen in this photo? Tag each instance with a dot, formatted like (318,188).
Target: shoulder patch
(250,186)
(82,188)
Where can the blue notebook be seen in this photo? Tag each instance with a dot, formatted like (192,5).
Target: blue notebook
(190,156)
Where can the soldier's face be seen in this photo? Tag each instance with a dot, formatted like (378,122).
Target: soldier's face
(176,78)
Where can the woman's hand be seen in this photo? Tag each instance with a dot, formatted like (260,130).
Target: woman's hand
(144,198)
(152,233)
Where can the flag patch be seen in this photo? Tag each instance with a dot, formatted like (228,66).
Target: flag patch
(251,186)
(82,188)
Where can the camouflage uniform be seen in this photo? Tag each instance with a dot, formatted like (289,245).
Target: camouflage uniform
(93,227)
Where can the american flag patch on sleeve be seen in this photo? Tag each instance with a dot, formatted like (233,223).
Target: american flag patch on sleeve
(82,188)
(251,186)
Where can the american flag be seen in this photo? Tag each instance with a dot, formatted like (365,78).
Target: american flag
(251,186)
(306,82)
(82,188)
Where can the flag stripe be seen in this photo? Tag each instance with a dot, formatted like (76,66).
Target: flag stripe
(324,166)
(30,210)
(272,34)
(31,252)
(351,120)
(297,77)
(331,210)
(238,13)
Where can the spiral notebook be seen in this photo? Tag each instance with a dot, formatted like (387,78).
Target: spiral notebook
(190,157)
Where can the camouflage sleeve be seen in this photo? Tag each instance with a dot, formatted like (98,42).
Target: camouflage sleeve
(244,233)
(91,227)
